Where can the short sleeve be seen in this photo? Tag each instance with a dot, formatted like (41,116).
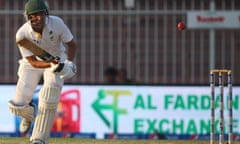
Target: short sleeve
(65,33)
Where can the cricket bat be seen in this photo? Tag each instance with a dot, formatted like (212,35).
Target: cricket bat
(38,51)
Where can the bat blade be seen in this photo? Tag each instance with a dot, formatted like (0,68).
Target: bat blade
(38,51)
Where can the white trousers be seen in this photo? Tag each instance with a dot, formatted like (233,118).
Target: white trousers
(28,80)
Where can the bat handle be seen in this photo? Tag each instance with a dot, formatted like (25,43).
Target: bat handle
(56,60)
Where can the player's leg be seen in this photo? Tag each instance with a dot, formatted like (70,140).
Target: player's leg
(48,101)
(21,103)
(25,124)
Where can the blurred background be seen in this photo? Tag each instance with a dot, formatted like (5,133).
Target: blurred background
(134,42)
(139,36)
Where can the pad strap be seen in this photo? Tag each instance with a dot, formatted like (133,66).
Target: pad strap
(25,111)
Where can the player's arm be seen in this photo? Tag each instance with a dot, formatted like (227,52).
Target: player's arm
(36,50)
(36,63)
(71,45)
(69,69)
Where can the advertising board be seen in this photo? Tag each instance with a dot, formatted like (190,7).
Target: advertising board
(216,19)
(102,109)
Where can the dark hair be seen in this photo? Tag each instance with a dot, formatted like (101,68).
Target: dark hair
(110,71)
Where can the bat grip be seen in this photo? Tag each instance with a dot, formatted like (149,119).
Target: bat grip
(56,60)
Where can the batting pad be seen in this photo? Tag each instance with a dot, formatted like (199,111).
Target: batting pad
(25,111)
(47,106)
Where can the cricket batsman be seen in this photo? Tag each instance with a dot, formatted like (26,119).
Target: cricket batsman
(52,35)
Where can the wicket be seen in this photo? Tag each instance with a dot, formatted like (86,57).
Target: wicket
(221,73)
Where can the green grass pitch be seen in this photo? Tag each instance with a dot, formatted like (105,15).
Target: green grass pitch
(4,140)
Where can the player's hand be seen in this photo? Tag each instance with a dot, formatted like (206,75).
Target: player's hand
(69,70)
(65,70)
(56,67)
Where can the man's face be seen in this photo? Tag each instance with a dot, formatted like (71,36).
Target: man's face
(37,20)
